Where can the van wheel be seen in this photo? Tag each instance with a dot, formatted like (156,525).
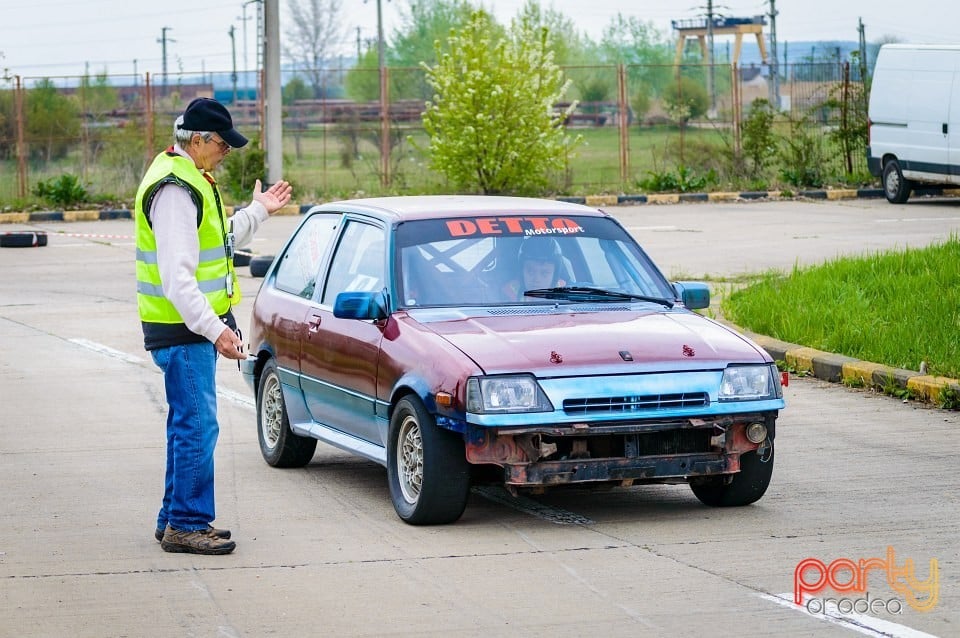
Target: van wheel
(895,186)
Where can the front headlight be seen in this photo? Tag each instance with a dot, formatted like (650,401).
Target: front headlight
(749,383)
(506,394)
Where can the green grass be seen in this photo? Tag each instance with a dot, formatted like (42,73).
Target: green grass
(894,308)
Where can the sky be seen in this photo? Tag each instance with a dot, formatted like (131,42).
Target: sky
(73,37)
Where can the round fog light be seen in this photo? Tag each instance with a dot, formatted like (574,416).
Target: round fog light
(756,432)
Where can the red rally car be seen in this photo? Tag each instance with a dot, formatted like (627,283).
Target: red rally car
(528,342)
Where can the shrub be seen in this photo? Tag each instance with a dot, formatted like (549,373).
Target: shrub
(686,100)
(759,141)
(802,156)
(65,191)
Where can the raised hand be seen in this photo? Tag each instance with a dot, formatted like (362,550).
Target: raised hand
(275,197)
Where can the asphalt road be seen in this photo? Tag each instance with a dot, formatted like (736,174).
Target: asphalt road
(320,550)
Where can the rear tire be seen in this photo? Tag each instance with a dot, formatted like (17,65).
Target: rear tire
(427,467)
(744,487)
(278,443)
(896,187)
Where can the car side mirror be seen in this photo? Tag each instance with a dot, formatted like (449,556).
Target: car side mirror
(694,294)
(360,305)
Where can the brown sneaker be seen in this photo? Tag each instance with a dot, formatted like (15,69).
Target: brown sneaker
(199,542)
(219,533)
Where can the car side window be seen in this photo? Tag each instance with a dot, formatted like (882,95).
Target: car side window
(359,264)
(297,270)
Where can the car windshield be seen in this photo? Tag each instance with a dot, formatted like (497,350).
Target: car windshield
(545,259)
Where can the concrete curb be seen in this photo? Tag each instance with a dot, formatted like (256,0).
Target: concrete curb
(64,216)
(854,372)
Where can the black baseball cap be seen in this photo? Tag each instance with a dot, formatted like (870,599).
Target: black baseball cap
(206,114)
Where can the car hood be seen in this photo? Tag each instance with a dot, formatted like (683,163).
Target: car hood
(606,342)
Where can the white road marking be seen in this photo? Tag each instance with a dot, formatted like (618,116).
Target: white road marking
(897,220)
(107,350)
(234,397)
(862,623)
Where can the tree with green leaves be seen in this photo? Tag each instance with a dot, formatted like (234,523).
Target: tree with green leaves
(685,99)
(574,50)
(296,89)
(95,100)
(759,138)
(491,123)
(423,23)
(52,122)
(645,51)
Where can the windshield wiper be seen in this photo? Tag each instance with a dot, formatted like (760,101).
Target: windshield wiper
(580,293)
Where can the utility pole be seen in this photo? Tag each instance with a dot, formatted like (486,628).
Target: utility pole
(358,45)
(774,74)
(233,53)
(384,103)
(246,59)
(163,41)
(711,86)
(862,29)
(272,93)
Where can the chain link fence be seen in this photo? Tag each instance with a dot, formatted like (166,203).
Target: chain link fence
(635,124)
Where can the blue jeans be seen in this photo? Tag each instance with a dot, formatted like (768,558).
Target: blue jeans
(189,377)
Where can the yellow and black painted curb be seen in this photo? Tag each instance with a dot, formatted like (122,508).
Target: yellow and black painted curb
(855,372)
(596,201)
(98,215)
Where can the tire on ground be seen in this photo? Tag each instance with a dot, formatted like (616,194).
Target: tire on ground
(896,187)
(427,469)
(744,487)
(260,264)
(280,446)
(23,239)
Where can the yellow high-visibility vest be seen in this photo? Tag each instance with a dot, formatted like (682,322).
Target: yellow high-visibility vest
(215,273)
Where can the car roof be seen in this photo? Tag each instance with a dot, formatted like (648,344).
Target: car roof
(405,208)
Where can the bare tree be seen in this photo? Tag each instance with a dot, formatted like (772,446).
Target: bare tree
(312,36)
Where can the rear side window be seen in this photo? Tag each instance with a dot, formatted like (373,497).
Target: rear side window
(297,270)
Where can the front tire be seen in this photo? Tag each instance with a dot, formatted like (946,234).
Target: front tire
(896,187)
(744,487)
(278,443)
(427,468)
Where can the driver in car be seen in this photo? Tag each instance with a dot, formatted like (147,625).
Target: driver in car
(540,259)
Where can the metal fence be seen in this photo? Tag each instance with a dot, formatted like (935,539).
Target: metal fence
(633,121)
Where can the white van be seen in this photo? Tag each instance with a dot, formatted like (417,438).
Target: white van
(914,118)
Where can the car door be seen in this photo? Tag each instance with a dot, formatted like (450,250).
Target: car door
(288,295)
(339,357)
